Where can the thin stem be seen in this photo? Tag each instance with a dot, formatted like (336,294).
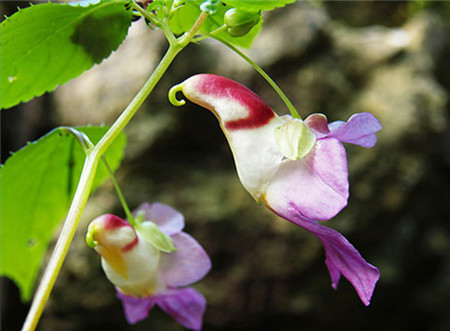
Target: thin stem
(216,31)
(123,202)
(134,105)
(187,37)
(156,21)
(63,243)
(283,97)
(87,178)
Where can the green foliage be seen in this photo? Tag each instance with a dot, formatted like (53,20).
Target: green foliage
(185,16)
(37,185)
(48,44)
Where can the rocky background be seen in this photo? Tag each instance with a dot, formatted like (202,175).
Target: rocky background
(388,58)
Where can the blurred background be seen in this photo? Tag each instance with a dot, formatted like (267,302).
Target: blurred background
(338,58)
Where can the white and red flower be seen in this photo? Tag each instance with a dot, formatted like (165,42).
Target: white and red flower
(296,168)
(143,274)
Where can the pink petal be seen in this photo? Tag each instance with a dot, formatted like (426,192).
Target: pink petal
(341,256)
(358,130)
(188,264)
(318,123)
(316,184)
(169,220)
(185,305)
(136,309)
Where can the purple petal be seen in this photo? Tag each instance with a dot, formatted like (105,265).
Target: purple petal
(169,220)
(341,256)
(188,264)
(136,309)
(317,184)
(185,305)
(359,130)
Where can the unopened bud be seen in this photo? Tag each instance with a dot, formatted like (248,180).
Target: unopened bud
(239,21)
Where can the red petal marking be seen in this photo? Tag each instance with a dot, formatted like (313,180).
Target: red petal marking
(259,112)
(130,246)
(112,222)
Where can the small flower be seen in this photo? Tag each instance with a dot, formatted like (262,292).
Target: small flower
(298,169)
(146,275)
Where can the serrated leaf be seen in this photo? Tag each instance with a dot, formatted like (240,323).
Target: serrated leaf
(36,187)
(154,236)
(48,44)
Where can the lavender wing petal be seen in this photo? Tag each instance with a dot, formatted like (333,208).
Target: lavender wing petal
(185,305)
(136,309)
(317,184)
(169,220)
(341,257)
(188,264)
(358,130)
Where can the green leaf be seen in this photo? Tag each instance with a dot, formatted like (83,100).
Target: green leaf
(37,185)
(154,236)
(48,44)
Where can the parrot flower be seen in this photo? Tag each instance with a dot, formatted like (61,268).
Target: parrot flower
(298,169)
(151,263)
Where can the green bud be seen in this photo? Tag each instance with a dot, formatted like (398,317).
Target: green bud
(239,21)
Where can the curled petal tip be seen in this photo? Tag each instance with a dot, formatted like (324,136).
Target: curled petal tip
(173,95)
(90,239)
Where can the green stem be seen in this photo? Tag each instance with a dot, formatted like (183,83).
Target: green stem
(216,31)
(62,245)
(283,97)
(123,202)
(87,178)
(155,21)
